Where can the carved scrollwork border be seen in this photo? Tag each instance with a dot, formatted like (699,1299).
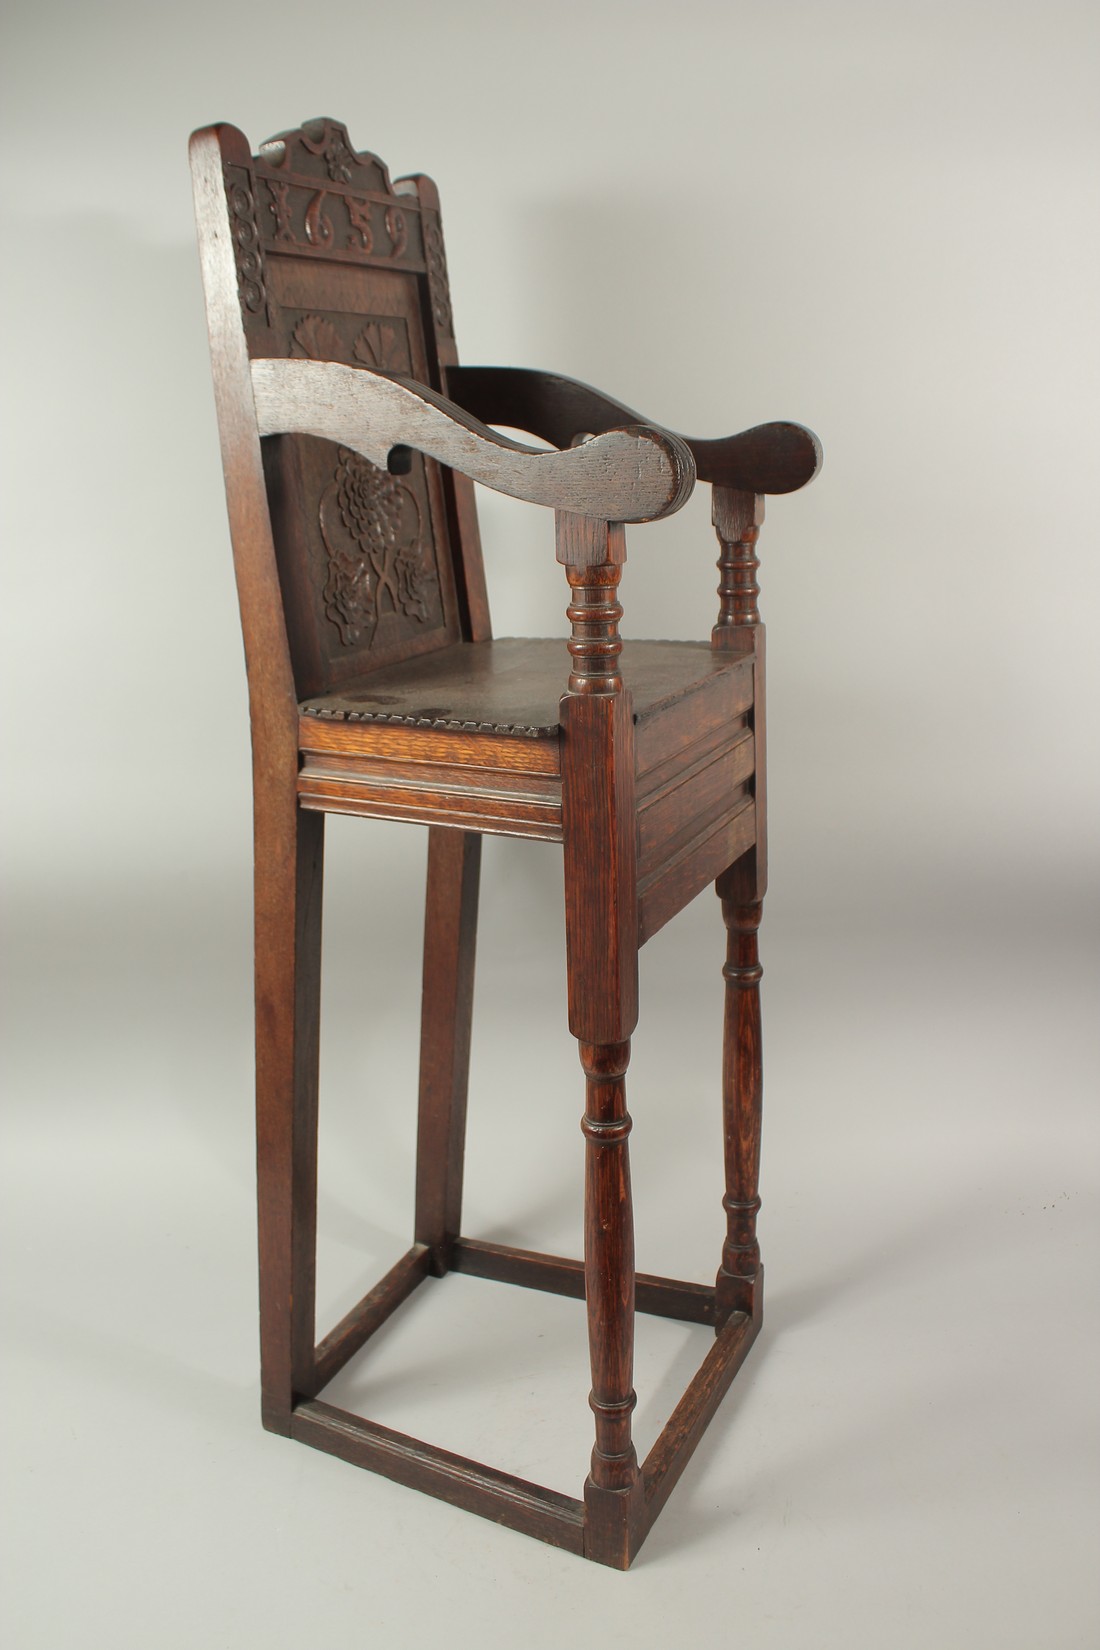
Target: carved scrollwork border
(438,283)
(240,196)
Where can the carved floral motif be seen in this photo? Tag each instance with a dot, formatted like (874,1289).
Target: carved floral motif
(280,206)
(376,554)
(379,554)
(335,151)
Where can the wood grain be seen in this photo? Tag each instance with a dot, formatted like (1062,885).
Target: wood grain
(625,475)
(736,1289)
(354,1330)
(439,324)
(660,1297)
(447,1003)
(677,1442)
(770,458)
(558,1519)
(351,443)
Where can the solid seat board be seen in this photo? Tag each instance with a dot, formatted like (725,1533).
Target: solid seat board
(513,685)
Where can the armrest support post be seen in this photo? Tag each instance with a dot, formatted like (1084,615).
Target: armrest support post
(593,553)
(737,519)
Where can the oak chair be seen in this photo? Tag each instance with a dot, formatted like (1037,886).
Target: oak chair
(351,438)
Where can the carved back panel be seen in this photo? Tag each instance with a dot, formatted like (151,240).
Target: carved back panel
(336,263)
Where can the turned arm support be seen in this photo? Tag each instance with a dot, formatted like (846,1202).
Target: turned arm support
(772,458)
(634,474)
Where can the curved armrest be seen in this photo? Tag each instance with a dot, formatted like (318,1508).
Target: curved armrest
(623,475)
(772,458)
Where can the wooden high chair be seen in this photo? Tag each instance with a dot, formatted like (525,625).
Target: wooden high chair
(351,439)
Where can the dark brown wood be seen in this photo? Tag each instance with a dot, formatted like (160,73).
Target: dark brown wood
(349,439)
(514,686)
(741,887)
(356,1328)
(742,1091)
(439,324)
(679,878)
(472,780)
(558,1519)
(772,458)
(737,520)
(692,1415)
(437,796)
(659,1297)
(332,265)
(740,630)
(696,813)
(450,933)
(613,1494)
(598,816)
(289,863)
(267,655)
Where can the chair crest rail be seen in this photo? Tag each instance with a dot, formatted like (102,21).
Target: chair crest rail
(636,474)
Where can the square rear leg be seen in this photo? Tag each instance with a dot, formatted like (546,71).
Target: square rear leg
(289,869)
(450,936)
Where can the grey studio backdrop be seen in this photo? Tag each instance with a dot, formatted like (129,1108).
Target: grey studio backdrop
(877,219)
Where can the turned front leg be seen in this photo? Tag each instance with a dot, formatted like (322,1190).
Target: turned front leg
(601,936)
(737,519)
(609,1263)
(738,1282)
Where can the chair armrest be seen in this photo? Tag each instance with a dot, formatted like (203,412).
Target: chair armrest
(624,475)
(772,458)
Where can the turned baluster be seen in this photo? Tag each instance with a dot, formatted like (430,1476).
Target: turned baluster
(609,1263)
(593,553)
(601,927)
(737,519)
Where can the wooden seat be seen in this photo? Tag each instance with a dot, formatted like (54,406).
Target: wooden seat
(351,439)
(512,685)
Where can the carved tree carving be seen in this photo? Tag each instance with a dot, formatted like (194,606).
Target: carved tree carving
(372,531)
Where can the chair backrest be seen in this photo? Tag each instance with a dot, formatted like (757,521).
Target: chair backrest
(336,263)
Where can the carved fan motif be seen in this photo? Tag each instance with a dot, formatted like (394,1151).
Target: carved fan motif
(372,531)
(380,346)
(318,339)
